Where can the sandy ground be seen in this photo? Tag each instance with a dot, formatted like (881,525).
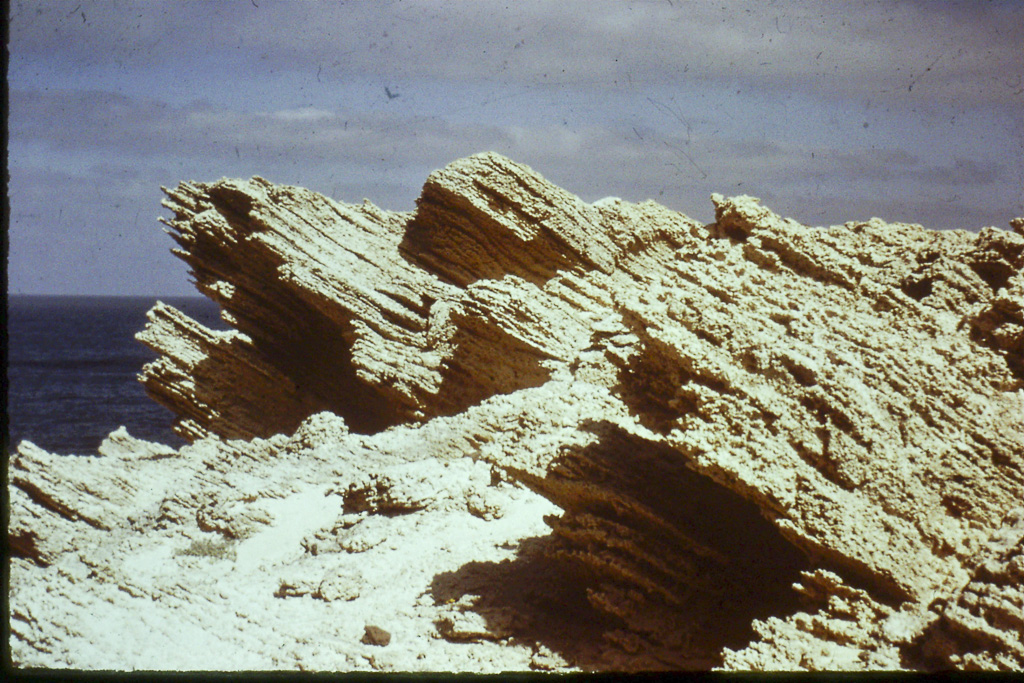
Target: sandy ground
(458,585)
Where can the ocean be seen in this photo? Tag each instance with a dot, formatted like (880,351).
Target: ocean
(72,363)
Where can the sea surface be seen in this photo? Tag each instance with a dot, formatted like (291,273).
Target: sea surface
(71,370)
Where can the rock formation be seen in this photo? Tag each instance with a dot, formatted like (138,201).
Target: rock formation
(753,444)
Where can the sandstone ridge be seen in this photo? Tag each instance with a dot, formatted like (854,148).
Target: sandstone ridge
(513,429)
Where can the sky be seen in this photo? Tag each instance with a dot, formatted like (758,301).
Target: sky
(827,111)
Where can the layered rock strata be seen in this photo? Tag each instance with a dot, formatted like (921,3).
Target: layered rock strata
(769,445)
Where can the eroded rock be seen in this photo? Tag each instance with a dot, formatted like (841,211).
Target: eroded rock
(770,446)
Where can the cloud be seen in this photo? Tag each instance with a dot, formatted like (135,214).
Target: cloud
(962,173)
(911,110)
(325,149)
(300,114)
(887,165)
(950,52)
(89,232)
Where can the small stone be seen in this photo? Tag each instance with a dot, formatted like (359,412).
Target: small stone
(545,659)
(375,635)
(485,504)
(340,584)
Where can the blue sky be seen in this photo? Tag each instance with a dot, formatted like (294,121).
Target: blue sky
(827,111)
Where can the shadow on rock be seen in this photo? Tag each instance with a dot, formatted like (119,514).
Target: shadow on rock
(651,566)
(533,599)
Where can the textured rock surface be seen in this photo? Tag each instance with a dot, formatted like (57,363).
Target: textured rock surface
(748,444)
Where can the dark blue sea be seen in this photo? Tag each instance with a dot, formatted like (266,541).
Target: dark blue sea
(72,366)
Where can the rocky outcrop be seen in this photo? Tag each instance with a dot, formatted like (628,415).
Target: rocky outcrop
(769,445)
